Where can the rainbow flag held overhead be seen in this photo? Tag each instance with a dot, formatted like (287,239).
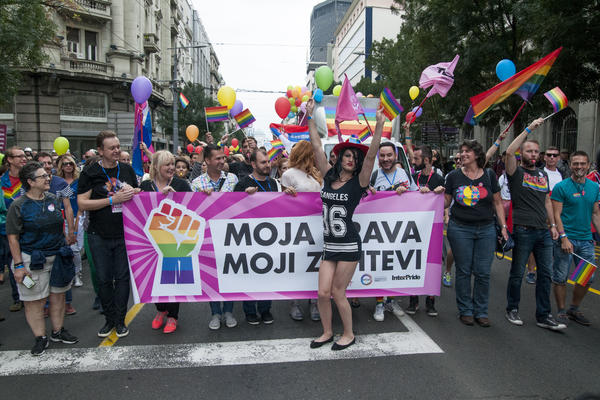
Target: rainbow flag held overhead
(277,144)
(273,153)
(349,128)
(583,272)
(183,100)
(525,83)
(557,98)
(216,114)
(391,107)
(365,134)
(244,118)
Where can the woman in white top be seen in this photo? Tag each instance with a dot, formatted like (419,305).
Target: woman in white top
(303,175)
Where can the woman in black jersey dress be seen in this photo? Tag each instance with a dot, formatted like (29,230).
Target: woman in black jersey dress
(344,184)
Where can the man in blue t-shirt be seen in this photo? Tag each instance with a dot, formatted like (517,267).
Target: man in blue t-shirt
(575,203)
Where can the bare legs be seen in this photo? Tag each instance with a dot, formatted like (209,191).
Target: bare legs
(34,313)
(334,278)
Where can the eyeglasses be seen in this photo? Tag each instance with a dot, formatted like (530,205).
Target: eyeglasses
(69,163)
(43,176)
(18,156)
(552,154)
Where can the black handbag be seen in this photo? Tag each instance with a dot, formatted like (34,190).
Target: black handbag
(502,245)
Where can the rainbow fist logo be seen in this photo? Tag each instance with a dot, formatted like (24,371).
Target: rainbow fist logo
(177,235)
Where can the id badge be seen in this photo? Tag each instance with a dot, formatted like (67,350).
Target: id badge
(117,208)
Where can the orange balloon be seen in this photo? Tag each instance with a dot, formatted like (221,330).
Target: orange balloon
(192,132)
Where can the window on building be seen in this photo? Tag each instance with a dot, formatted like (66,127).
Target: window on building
(73,40)
(91,45)
(79,105)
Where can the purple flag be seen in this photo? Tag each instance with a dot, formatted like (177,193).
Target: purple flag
(440,76)
(348,106)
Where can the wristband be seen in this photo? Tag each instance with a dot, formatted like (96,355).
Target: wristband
(564,235)
(561,232)
(496,144)
(527,129)
(505,227)
(553,225)
(75,233)
(110,201)
(19,265)
(309,117)
(408,138)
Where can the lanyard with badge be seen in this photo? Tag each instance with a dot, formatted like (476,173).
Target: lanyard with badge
(261,186)
(393,177)
(116,208)
(419,178)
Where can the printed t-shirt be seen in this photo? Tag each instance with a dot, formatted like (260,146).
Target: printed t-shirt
(528,189)
(473,199)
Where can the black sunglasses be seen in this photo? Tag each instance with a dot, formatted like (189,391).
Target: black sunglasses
(552,154)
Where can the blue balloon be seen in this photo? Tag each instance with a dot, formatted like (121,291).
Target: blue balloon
(318,95)
(505,69)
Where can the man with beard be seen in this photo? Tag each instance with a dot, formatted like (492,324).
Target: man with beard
(243,169)
(575,203)
(532,209)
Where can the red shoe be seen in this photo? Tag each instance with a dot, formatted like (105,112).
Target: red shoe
(171,325)
(69,310)
(159,320)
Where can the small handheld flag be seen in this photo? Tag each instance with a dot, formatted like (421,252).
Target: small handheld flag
(277,144)
(365,134)
(244,118)
(216,114)
(583,272)
(273,153)
(391,107)
(557,98)
(183,100)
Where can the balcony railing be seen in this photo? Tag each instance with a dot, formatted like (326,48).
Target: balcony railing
(98,9)
(86,66)
(151,43)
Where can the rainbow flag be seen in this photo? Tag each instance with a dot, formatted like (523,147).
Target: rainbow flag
(183,100)
(244,118)
(365,134)
(525,83)
(277,144)
(557,98)
(391,107)
(583,272)
(273,153)
(350,128)
(216,114)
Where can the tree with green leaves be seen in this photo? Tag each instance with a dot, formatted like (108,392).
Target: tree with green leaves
(25,27)
(193,114)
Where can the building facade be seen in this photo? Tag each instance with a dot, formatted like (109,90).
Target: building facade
(99,48)
(324,18)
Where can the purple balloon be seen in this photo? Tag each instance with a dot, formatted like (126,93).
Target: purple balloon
(359,94)
(417,113)
(237,108)
(141,89)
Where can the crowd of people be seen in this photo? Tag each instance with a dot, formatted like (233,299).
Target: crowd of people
(57,211)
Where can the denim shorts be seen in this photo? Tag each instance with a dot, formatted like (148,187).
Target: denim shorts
(563,261)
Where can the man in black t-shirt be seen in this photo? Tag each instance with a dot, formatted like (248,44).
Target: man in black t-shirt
(243,169)
(103,188)
(532,210)
(259,180)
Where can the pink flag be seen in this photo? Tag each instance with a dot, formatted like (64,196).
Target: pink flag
(348,106)
(440,76)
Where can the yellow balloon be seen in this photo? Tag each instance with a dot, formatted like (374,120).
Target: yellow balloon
(413,92)
(226,97)
(192,132)
(61,145)
(337,90)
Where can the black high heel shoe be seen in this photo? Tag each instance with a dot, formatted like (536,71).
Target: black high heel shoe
(336,346)
(315,345)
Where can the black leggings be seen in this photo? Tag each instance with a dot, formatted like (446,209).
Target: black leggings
(172,309)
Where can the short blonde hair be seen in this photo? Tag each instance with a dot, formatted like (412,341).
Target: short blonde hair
(160,158)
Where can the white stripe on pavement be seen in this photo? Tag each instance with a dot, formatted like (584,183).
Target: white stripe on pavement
(64,361)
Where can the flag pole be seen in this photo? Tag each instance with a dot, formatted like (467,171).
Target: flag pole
(515,117)
(545,118)
(206,119)
(417,110)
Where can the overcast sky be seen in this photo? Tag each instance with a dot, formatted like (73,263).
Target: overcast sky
(264,47)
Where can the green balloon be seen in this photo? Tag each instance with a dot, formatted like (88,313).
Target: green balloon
(337,90)
(323,77)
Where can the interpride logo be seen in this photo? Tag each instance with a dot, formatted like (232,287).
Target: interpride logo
(366,279)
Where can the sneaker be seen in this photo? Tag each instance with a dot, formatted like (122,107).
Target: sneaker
(562,318)
(314,312)
(393,307)
(379,315)
(447,279)
(230,320)
(296,312)
(106,329)
(252,319)
(69,309)
(63,336)
(159,320)
(267,317)
(550,323)
(215,322)
(578,317)
(171,325)
(122,330)
(430,307)
(413,305)
(78,282)
(16,306)
(530,278)
(97,304)
(513,317)
(40,346)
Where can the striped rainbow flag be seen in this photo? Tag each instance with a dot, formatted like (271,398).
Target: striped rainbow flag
(277,144)
(365,134)
(273,153)
(557,98)
(391,107)
(216,114)
(350,128)
(583,273)
(525,83)
(244,118)
(183,100)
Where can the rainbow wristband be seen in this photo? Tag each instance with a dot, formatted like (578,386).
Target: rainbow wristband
(408,138)
(564,235)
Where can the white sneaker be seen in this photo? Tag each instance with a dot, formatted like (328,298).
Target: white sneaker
(78,282)
(215,322)
(230,320)
(379,315)
(393,307)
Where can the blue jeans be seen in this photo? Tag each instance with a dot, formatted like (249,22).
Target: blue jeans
(562,260)
(473,248)
(215,307)
(112,271)
(539,242)
(251,306)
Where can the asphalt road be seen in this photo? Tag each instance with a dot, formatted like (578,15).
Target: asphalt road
(417,357)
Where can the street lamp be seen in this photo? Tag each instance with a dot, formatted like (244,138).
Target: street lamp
(174,88)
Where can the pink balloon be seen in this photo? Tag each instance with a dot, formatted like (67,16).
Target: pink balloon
(359,94)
